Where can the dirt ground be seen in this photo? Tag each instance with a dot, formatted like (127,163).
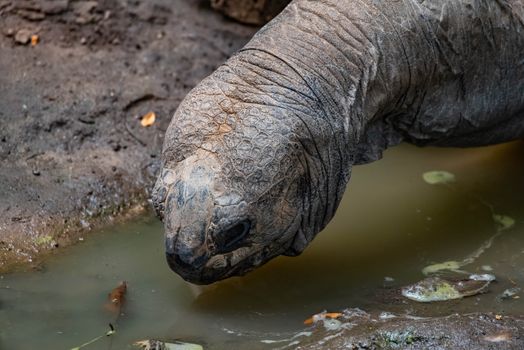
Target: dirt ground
(75,79)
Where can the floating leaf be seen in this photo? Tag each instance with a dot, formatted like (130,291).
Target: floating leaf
(438,177)
(505,222)
(447,265)
(117,298)
(148,119)
(322,316)
(439,289)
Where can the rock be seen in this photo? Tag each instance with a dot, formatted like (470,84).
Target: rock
(54,7)
(509,293)
(31,15)
(250,11)
(84,10)
(482,277)
(23,36)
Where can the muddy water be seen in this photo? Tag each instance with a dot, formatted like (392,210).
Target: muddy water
(390,224)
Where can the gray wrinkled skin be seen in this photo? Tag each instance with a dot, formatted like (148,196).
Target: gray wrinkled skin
(258,155)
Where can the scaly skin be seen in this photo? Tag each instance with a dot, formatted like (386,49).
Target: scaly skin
(258,155)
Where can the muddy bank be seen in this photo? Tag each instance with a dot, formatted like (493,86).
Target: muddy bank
(76,76)
(357,329)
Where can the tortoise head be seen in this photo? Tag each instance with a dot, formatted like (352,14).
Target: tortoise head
(240,184)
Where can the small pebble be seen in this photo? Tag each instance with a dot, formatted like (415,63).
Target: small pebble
(482,277)
(332,324)
(36,172)
(386,315)
(509,293)
(23,36)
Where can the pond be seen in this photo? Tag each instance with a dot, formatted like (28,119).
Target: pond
(390,225)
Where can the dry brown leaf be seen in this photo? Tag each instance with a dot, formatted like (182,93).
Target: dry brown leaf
(34,39)
(117,298)
(322,316)
(148,119)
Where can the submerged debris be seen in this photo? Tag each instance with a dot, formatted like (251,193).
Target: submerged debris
(107,334)
(160,345)
(509,293)
(505,222)
(447,265)
(438,177)
(439,289)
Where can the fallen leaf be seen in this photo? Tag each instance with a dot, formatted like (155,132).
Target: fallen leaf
(322,316)
(438,177)
(439,289)
(34,39)
(148,119)
(447,265)
(117,298)
(505,222)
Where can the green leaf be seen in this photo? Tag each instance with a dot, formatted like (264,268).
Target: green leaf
(447,265)
(505,222)
(438,177)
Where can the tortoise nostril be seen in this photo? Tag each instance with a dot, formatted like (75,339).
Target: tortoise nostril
(231,238)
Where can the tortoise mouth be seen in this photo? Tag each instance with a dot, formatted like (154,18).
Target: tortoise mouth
(207,270)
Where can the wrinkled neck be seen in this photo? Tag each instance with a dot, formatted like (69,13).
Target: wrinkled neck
(334,52)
